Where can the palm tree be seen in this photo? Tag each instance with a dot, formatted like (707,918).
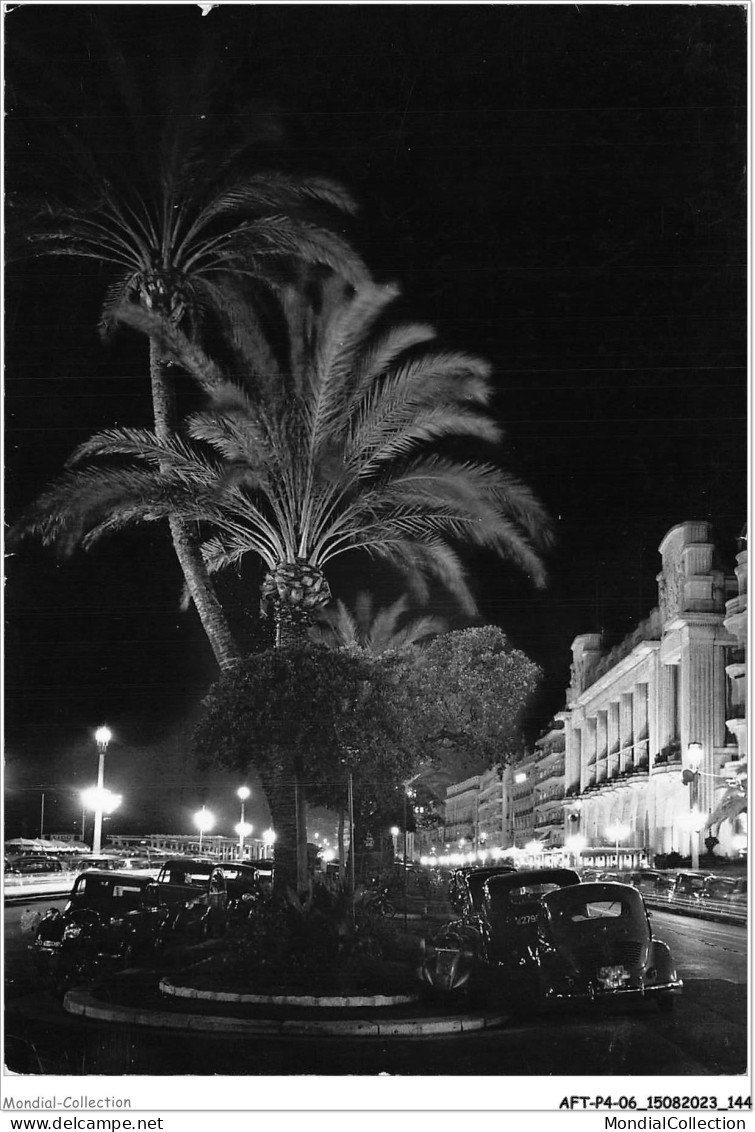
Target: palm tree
(392,628)
(334,452)
(179,221)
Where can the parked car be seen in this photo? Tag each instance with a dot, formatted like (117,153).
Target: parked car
(35,865)
(493,941)
(118,863)
(687,888)
(594,944)
(98,928)
(465,886)
(647,881)
(725,894)
(246,886)
(189,895)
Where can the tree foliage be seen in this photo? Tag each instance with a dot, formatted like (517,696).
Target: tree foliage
(304,714)
(462,700)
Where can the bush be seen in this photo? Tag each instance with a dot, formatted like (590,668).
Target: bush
(310,946)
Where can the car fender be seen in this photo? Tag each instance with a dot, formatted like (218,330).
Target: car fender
(660,958)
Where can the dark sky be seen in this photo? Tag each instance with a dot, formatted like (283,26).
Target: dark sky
(558,188)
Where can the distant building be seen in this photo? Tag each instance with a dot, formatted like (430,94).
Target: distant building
(549,786)
(521,782)
(461,827)
(650,754)
(216,845)
(658,705)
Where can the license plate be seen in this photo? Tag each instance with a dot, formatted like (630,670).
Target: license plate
(611,978)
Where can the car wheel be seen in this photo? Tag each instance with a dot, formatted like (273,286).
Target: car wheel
(666,1003)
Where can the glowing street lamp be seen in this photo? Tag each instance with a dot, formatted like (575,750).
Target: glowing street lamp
(268,839)
(575,845)
(204,821)
(695,822)
(102,737)
(243,828)
(617,832)
(691,778)
(101,801)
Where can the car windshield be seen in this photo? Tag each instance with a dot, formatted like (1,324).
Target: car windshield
(191,874)
(596,910)
(122,894)
(529,892)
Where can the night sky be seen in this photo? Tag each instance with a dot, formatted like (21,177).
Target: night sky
(560,189)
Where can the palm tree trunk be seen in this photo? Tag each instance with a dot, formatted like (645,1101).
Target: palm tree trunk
(341,844)
(293,590)
(201,589)
(302,863)
(281,799)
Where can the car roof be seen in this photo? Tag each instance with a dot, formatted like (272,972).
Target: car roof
(522,878)
(131,878)
(593,890)
(189,862)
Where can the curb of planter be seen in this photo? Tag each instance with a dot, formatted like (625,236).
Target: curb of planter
(84,1004)
(170,989)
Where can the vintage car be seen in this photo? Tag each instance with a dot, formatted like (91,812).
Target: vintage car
(647,881)
(35,865)
(686,888)
(725,894)
(247,885)
(97,930)
(465,886)
(494,939)
(189,895)
(594,944)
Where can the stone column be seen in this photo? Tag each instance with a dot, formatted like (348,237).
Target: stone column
(699,710)
(601,746)
(668,713)
(640,721)
(589,749)
(612,725)
(626,732)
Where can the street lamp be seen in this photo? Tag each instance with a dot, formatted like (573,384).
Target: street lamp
(617,832)
(204,821)
(101,801)
(695,821)
(691,778)
(243,829)
(268,838)
(575,845)
(102,737)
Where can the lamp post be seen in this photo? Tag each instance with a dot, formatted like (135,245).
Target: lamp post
(617,832)
(691,778)
(696,820)
(242,828)
(102,737)
(268,838)
(101,801)
(204,821)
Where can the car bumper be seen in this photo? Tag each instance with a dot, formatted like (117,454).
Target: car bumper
(593,993)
